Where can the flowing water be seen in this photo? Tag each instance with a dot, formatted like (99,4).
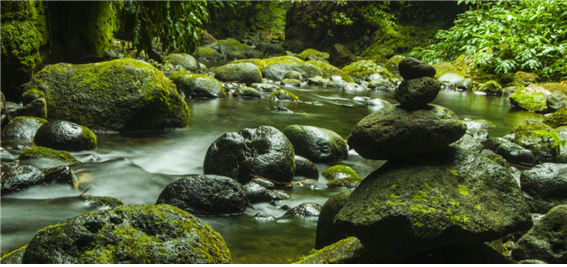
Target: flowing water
(135,167)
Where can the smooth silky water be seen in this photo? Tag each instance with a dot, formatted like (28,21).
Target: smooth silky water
(135,167)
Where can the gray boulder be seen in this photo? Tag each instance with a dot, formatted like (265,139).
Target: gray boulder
(411,68)
(198,86)
(540,145)
(186,61)
(545,186)
(205,195)
(247,73)
(556,100)
(247,92)
(117,95)
(452,197)
(20,131)
(65,135)
(546,240)
(265,87)
(263,152)
(417,93)
(134,234)
(394,132)
(319,145)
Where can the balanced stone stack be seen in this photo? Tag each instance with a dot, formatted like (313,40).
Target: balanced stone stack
(430,195)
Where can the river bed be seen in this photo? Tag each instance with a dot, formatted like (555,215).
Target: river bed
(135,167)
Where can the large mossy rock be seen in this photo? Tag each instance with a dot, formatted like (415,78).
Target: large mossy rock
(132,234)
(317,144)
(394,132)
(247,73)
(451,197)
(186,61)
(312,54)
(118,95)
(546,240)
(198,86)
(21,131)
(65,135)
(531,98)
(205,194)
(545,186)
(264,151)
(557,119)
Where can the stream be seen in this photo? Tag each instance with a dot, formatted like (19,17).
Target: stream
(135,167)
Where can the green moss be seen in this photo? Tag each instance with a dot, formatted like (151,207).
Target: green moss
(532,98)
(47,153)
(463,190)
(363,68)
(339,172)
(557,119)
(283,95)
(24,31)
(492,87)
(331,70)
(526,77)
(6,258)
(312,52)
(264,63)
(552,87)
(392,63)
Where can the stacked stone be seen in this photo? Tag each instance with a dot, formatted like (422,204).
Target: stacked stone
(413,127)
(429,196)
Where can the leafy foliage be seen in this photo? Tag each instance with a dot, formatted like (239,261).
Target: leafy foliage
(177,24)
(506,36)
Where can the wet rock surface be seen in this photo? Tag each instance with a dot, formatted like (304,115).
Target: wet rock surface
(316,144)
(65,135)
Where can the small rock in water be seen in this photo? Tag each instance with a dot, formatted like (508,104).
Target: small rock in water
(305,209)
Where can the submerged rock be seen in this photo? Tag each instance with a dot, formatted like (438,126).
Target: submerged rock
(134,234)
(416,205)
(545,186)
(264,152)
(317,144)
(394,132)
(206,195)
(117,95)
(65,135)
(546,241)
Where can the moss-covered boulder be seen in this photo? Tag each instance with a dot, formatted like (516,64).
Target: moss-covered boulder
(117,95)
(540,145)
(545,186)
(205,195)
(394,132)
(247,92)
(21,131)
(291,82)
(546,240)
(283,95)
(557,119)
(421,204)
(198,85)
(326,233)
(65,135)
(339,172)
(266,62)
(230,44)
(247,73)
(47,153)
(209,54)
(186,61)
(526,78)
(531,98)
(312,54)
(316,144)
(491,88)
(264,152)
(305,168)
(345,251)
(24,32)
(392,63)
(14,256)
(330,70)
(362,69)
(556,100)
(132,234)
(278,72)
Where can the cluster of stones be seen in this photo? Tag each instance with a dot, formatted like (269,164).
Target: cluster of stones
(430,195)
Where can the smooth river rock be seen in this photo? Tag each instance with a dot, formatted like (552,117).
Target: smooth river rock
(317,144)
(394,132)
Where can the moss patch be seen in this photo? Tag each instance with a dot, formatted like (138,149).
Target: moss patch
(557,119)
(312,52)
(47,153)
(331,70)
(264,63)
(339,172)
(283,95)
